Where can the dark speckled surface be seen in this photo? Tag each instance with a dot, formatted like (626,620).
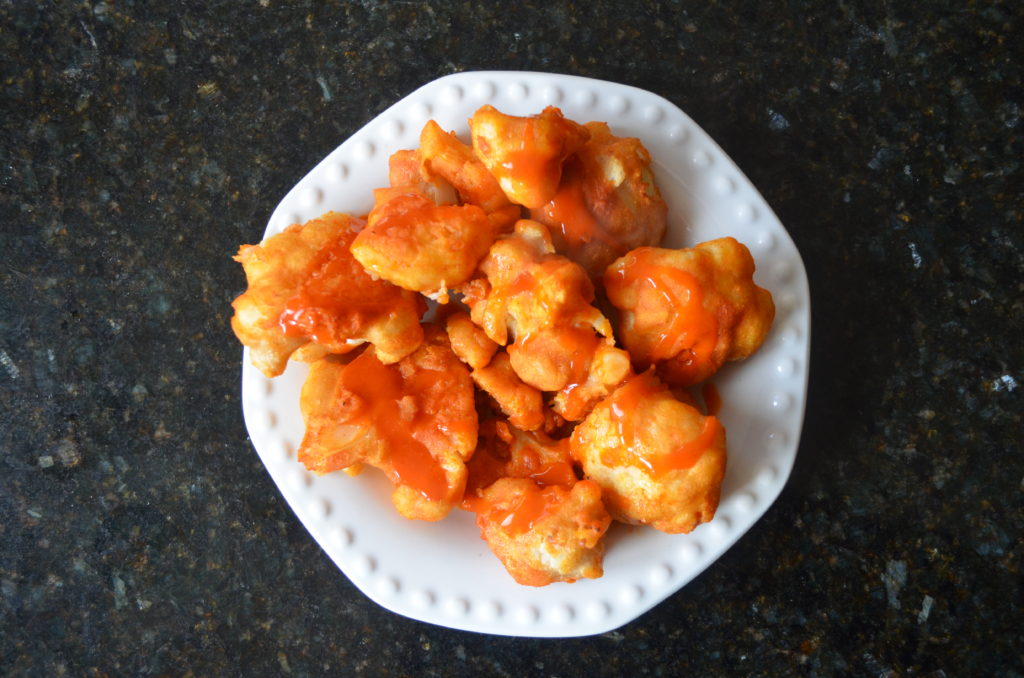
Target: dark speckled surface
(142,142)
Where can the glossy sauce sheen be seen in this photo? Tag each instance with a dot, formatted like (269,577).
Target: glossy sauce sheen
(531,506)
(625,404)
(692,328)
(577,224)
(528,167)
(553,473)
(712,399)
(379,387)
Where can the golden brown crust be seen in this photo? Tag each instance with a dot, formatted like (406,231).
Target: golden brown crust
(649,287)
(674,499)
(295,281)
(607,204)
(562,543)
(415,420)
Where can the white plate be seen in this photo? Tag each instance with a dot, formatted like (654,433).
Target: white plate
(443,573)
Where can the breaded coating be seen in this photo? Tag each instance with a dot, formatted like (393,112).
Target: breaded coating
(421,246)
(415,420)
(304,286)
(443,155)
(407,174)
(544,534)
(526,154)
(543,301)
(607,202)
(689,311)
(468,341)
(504,451)
(659,461)
(520,402)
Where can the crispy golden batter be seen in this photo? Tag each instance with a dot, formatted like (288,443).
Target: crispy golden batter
(689,311)
(607,202)
(421,246)
(561,342)
(406,174)
(659,461)
(526,154)
(304,286)
(520,402)
(504,451)
(415,420)
(443,155)
(468,341)
(544,534)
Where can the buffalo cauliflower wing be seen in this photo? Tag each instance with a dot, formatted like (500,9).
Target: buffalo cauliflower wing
(689,311)
(659,461)
(421,246)
(525,155)
(304,286)
(542,302)
(415,420)
(607,202)
(544,534)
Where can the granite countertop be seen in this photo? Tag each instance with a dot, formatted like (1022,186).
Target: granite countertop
(143,142)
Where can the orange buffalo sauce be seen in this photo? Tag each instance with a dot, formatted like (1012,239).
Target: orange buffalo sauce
(552,472)
(528,167)
(317,310)
(534,503)
(569,213)
(624,407)
(691,329)
(378,389)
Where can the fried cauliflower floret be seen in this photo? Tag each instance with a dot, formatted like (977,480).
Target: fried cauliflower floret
(659,461)
(689,311)
(607,202)
(504,451)
(443,155)
(406,174)
(526,154)
(304,286)
(421,246)
(542,301)
(520,402)
(414,420)
(544,534)
(468,341)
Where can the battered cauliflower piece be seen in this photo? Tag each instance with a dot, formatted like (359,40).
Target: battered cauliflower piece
(468,341)
(543,302)
(520,402)
(443,155)
(304,286)
(406,173)
(421,246)
(689,311)
(607,202)
(659,461)
(544,534)
(526,154)
(414,420)
(504,451)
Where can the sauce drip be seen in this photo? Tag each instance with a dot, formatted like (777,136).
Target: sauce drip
(528,167)
(624,406)
(691,330)
(378,389)
(568,211)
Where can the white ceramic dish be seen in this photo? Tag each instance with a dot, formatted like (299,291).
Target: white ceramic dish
(443,573)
